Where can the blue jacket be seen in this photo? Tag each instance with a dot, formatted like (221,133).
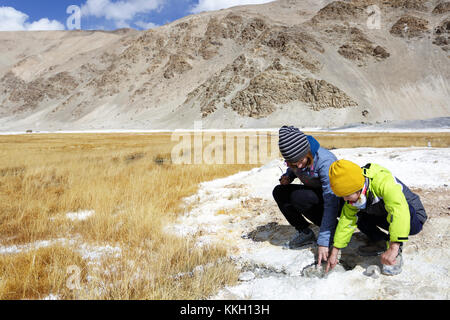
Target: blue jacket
(317,177)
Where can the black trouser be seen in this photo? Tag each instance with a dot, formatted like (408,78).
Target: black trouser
(297,202)
(369,223)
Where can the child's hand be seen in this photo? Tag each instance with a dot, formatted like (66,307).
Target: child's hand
(332,259)
(389,256)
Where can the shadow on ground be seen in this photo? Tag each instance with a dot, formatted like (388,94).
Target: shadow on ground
(280,235)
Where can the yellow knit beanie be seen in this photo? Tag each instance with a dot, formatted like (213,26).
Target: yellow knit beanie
(346,178)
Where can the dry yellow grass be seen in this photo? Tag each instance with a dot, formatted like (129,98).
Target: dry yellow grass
(37,273)
(382,140)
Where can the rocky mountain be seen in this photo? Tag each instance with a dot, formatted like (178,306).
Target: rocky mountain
(308,63)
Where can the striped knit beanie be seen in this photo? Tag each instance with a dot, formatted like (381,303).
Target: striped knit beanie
(293,144)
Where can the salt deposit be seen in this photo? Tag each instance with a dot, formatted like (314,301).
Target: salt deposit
(255,233)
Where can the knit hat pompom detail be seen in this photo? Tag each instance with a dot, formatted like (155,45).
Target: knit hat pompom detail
(293,144)
(346,178)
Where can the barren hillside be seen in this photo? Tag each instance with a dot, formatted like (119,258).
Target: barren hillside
(303,62)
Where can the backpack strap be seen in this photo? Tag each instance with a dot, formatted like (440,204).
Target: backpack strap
(366,172)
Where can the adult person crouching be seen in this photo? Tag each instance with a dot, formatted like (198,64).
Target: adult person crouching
(375,199)
(314,199)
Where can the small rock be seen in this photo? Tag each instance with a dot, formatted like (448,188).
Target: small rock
(314,271)
(247,276)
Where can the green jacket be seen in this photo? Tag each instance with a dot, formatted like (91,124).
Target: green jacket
(384,190)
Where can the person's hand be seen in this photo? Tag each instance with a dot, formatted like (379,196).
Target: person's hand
(322,255)
(389,256)
(285,180)
(332,259)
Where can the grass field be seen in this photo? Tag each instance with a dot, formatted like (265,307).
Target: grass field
(133,190)
(133,194)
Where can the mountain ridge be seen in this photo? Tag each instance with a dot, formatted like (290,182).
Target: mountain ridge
(307,63)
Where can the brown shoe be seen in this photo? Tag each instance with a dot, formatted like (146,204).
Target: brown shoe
(372,249)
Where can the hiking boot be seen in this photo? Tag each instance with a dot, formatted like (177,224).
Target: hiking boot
(396,268)
(372,249)
(302,238)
